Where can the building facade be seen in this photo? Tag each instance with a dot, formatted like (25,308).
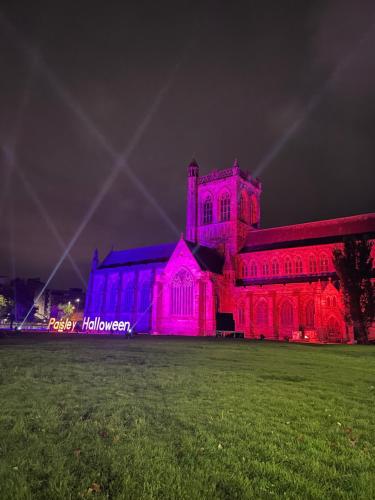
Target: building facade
(278,283)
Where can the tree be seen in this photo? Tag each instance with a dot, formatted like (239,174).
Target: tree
(67,309)
(354,265)
(6,306)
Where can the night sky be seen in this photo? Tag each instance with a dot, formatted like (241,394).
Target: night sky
(83,82)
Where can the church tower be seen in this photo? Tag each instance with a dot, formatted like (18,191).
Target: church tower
(192,202)
(223,207)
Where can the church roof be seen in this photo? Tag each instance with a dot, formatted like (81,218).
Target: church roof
(141,255)
(208,258)
(310,233)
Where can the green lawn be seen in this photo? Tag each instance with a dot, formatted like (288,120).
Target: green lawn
(90,417)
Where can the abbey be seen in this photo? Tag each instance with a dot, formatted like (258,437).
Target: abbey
(279,283)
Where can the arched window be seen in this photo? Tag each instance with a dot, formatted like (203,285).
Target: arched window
(261,313)
(244,270)
(328,302)
(128,297)
(309,314)
(286,314)
(323,263)
(333,326)
(113,294)
(288,266)
(225,208)
(242,205)
(99,297)
(298,265)
(275,267)
(253,210)
(265,269)
(312,264)
(182,294)
(253,270)
(145,299)
(334,302)
(207,211)
(241,314)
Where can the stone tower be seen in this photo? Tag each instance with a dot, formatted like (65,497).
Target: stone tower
(192,202)
(223,207)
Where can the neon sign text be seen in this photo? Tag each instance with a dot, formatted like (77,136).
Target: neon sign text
(96,324)
(64,325)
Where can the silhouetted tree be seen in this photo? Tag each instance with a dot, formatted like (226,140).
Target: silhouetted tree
(354,265)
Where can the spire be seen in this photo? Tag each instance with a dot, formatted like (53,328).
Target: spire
(95,259)
(235,163)
(193,168)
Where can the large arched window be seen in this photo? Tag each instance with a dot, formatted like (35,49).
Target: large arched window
(182,294)
(286,314)
(312,264)
(242,207)
(225,207)
(253,210)
(145,299)
(323,263)
(298,265)
(288,266)
(261,313)
(207,210)
(309,314)
(128,297)
(333,326)
(275,267)
(113,294)
(98,299)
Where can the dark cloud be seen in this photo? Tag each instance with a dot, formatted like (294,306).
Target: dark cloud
(247,71)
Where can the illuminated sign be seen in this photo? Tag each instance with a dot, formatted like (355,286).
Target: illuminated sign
(98,325)
(63,325)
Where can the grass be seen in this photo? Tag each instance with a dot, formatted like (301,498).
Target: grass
(91,417)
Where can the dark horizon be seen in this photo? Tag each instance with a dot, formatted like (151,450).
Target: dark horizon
(215,82)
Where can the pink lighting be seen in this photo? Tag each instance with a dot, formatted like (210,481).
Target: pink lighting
(277,284)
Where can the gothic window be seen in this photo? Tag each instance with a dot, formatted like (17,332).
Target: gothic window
(98,298)
(261,313)
(253,270)
(225,208)
(309,314)
(328,302)
(286,314)
(288,266)
(265,269)
(244,270)
(182,294)
(334,303)
(128,297)
(298,265)
(113,296)
(333,326)
(275,267)
(207,211)
(323,263)
(243,207)
(253,210)
(312,265)
(145,301)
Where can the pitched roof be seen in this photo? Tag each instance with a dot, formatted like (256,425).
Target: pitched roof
(141,255)
(330,230)
(208,258)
